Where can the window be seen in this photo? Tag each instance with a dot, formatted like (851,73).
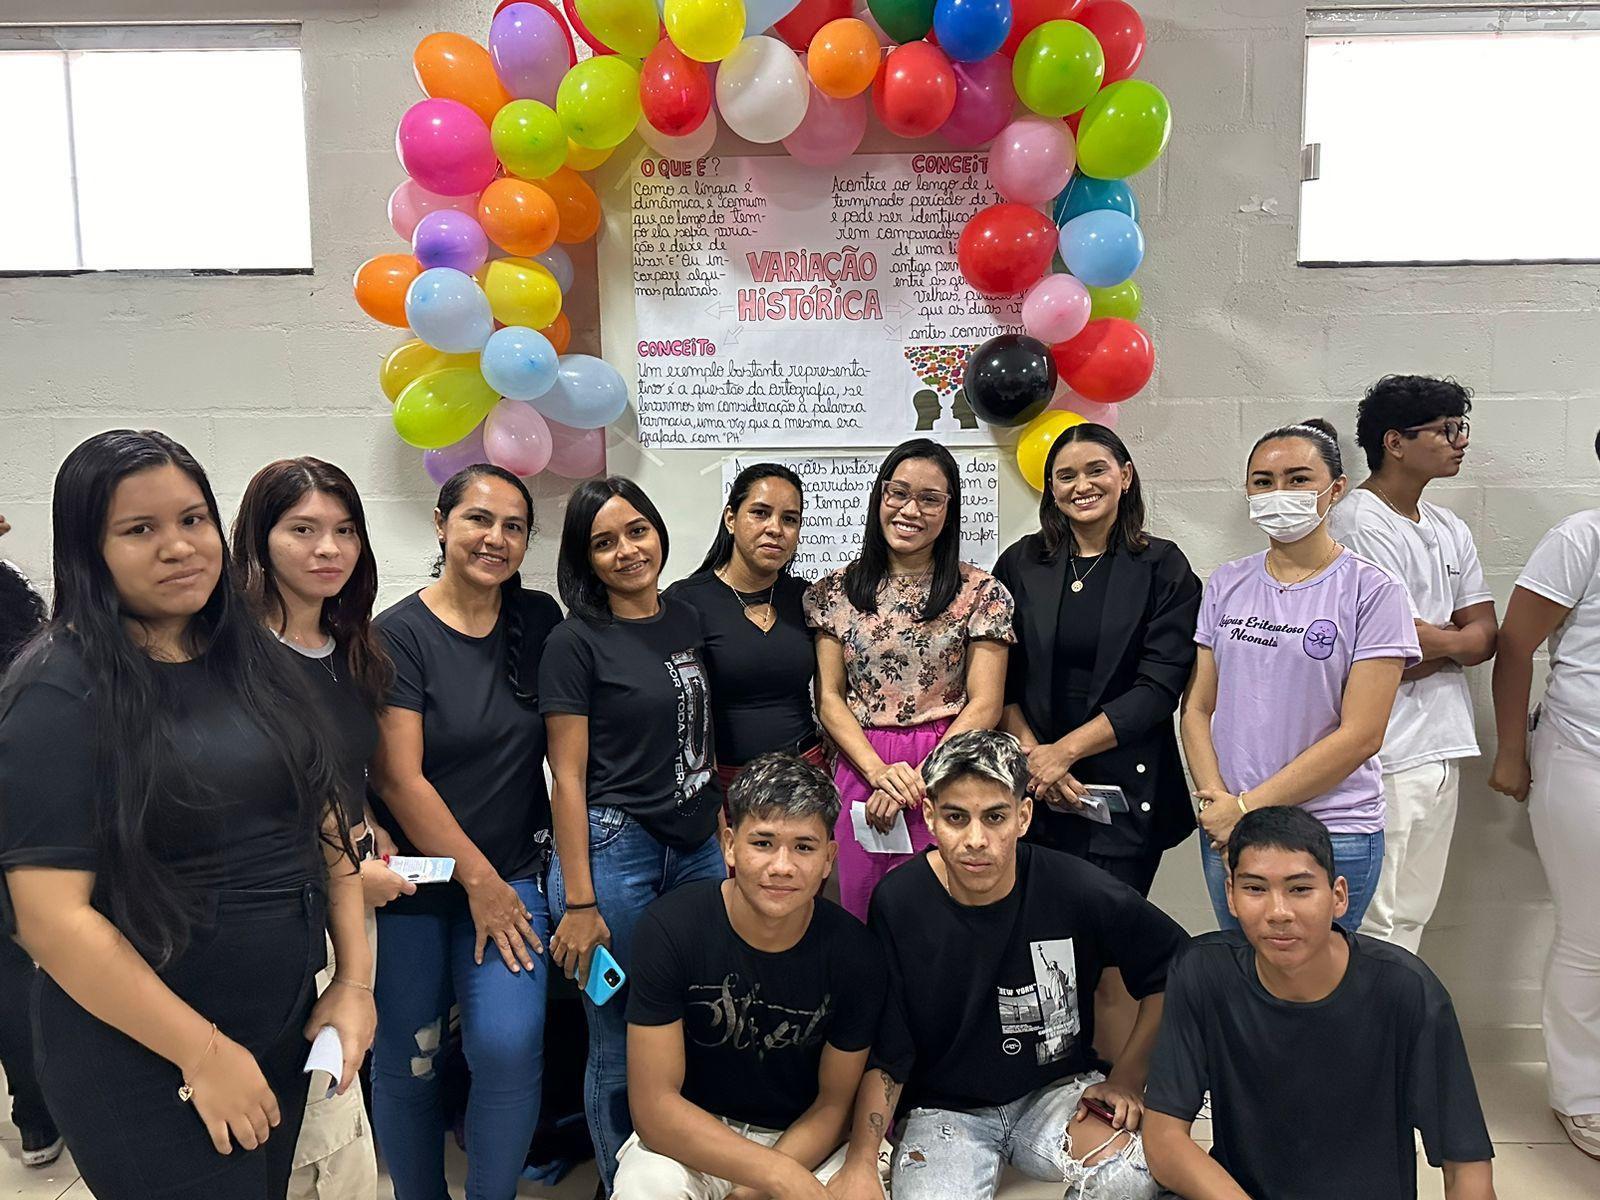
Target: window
(1437,135)
(153,147)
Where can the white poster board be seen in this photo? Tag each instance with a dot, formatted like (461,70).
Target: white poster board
(837,489)
(781,305)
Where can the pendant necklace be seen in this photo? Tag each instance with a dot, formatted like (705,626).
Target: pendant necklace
(765,626)
(1077,582)
(1284,587)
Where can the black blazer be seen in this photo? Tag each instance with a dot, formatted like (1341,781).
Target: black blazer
(1146,653)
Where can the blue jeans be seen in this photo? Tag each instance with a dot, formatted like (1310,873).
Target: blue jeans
(630,869)
(1356,856)
(426,965)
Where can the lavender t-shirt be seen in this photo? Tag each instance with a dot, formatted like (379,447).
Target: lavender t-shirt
(1283,657)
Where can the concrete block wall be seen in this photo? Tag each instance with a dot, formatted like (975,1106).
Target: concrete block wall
(244,370)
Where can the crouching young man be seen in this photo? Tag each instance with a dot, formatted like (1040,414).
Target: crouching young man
(753,1005)
(994,948)
(1321,1049)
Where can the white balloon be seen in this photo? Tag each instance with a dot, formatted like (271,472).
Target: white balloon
(690,146)
(559,263)
(762,90)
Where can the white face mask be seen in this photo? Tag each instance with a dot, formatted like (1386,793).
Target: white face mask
(1287,515)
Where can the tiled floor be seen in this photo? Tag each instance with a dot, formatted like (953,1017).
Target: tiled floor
(1534,1161)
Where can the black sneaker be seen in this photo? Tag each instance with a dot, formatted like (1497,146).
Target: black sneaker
(41,1147)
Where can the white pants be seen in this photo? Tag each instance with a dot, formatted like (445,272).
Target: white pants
(642,1174)
(1564,807)
(1416,846)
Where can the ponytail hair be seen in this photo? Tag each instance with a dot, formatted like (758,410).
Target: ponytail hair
(1320,433)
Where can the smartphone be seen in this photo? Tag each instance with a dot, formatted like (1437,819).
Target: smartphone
(606,976)
(1100,1109)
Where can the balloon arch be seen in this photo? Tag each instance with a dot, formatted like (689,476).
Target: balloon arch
(495,157)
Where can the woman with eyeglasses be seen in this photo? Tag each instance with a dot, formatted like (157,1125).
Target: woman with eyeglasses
(911,648)
(1301,650)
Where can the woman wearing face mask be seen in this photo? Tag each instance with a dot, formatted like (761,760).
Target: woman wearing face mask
(625,696)
(459,774)
(1301,650)
(911,648)
(173,840)
(758,649)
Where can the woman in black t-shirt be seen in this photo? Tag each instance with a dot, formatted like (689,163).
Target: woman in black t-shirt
(625,696)
(758,649)
(460,774)
(173,840)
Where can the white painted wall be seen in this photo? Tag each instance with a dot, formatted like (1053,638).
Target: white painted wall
(244,370)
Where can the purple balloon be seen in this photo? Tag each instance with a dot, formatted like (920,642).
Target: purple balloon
(985,98)
(830,132)
(448,238)
(529,52)
(443,463)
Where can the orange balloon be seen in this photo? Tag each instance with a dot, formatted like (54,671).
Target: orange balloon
(518,216)
(843,58)
(576,202)
(454,67)
(559,333)
(381,284)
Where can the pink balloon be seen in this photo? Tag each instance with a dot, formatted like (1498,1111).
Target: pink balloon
(445,147)
(1032,160)
(576,453)
(517,438)
(831,131)
(985,97)
(1068,400)
(1056,309)
(443,463)
(410,202)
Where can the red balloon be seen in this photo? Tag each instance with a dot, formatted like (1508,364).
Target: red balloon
(1121,33)
(1108,362)
(803,21)
(555,11)
(1028,15)
(1006,248)
(674,90)
(915,91)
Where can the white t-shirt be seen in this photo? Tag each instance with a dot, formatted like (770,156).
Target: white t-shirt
(1436,560)
(1563,569)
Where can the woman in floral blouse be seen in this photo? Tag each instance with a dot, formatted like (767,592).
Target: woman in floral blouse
(911,647)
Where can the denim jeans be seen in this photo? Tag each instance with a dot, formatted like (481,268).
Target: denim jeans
(944,1154)
(630,869)
(426,966)
(1356,856)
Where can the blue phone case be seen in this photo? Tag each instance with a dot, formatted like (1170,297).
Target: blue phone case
(605,977)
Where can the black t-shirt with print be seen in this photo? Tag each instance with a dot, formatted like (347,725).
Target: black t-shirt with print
(644,687)
(989,1003)
(1317,1101)
(754,1022)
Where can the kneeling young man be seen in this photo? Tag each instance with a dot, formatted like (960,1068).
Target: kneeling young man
(1321,1049)
(994,948)
(753,1005)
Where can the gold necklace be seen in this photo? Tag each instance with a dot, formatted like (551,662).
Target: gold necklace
(1384,497)
(1072,561)
(1284,587)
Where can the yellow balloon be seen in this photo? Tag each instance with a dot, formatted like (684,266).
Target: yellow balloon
(582,158)
(442,407)
(521,292)
(412,359)
(1035,440)
(705,30)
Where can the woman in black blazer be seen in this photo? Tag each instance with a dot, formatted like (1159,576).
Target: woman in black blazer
(1105,644)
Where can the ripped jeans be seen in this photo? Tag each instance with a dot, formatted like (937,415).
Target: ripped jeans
(944,1153)
(424,966)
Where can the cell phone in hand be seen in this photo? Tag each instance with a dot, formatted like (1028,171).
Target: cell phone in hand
(606,977)
(1100,1109)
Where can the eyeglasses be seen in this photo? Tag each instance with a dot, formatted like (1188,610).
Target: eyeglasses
(1454,430)
(898,495)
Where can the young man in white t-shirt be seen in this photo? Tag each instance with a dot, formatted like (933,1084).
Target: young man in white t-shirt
(1414,430)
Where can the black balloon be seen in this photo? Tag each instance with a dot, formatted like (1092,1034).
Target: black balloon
(1010,379)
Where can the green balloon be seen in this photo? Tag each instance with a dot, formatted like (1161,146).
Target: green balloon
(1125,300)
(530,139)
(598,101)
(442,407)
(1058,68)
(1124,130)
(903,20)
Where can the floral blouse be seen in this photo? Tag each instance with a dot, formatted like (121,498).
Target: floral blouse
(901,672)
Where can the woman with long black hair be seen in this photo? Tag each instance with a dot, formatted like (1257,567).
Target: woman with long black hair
(174,843)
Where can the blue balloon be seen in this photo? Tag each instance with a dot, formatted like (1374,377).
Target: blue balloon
(519,363)
(969,30)
(1084,193)
(447,309)
(588,393)
(1102,248)
(761,15)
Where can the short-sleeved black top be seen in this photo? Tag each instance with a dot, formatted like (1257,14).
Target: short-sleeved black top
(346,716)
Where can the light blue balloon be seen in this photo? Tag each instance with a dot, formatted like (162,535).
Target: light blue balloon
(519,363)
(762,15)
(1085,193)
(588,393)
(447,309)
(559,263)
(1102,248)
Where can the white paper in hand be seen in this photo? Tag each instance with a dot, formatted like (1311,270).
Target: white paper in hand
(896,841)
(327,1054)
(421,870)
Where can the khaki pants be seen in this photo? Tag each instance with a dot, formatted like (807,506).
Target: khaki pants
(642,1174)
